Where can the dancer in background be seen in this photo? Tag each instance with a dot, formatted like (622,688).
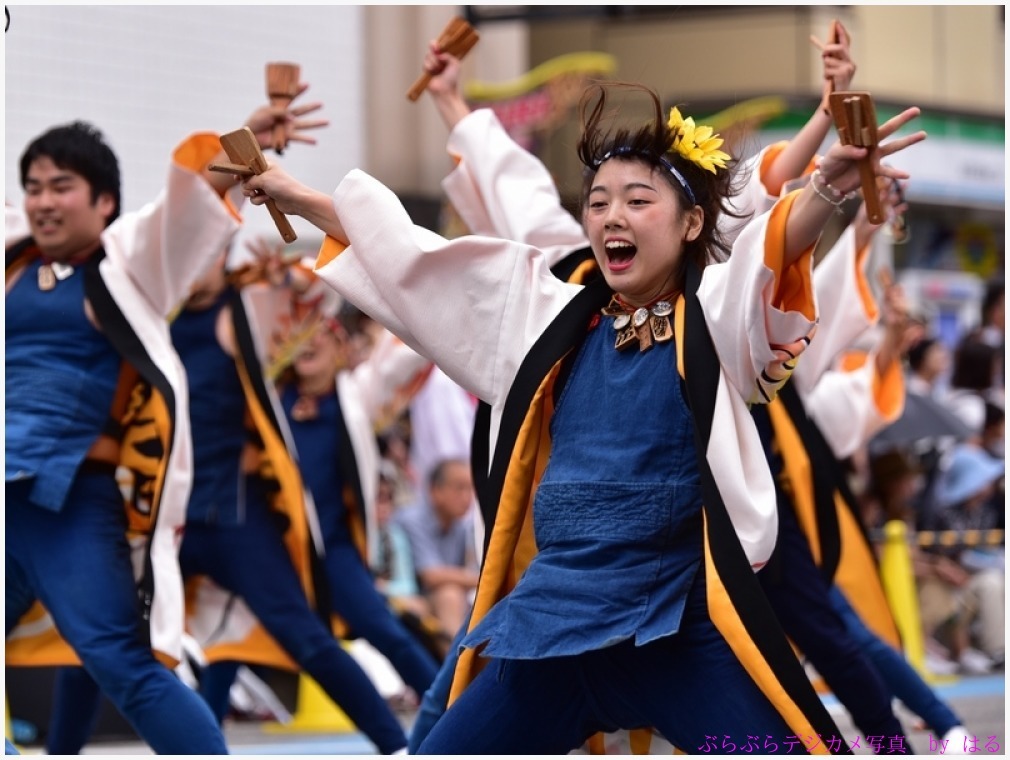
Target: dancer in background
(88,294)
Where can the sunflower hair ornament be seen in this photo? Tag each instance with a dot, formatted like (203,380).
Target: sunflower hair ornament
(698,144)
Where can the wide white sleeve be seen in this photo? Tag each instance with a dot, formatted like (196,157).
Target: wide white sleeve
(390,368)
(760,314)
(760,318)
(850,407)
(166,245)
(501,190)
(473,305)
(846,309)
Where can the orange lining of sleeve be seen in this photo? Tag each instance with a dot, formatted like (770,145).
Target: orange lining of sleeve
(771,153)
(330,249)
(852,360)
(889,391)
(236,214)
(197,150)
(794,288)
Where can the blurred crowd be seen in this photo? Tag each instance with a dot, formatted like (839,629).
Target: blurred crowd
(940,468)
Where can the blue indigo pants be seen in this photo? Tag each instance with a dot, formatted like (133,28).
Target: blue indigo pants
(354,598)
(800,597)
(76,562)
(900,677)
(251,561)
(689,686)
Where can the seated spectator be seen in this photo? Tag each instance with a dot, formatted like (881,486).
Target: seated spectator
(393,568)
(394,448)
(962,588)
(440,527)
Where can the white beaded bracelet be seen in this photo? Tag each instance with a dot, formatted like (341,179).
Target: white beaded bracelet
(839,197)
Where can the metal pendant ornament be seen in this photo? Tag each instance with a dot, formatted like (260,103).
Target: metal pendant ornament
(305,408)
(644,326)
(46,277)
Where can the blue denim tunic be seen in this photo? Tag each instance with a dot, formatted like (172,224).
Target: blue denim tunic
(60,378)
(317,442)
(217,417)
(617,515)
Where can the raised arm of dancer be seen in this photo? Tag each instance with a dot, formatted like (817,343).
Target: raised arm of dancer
(794,158)
(837,176)
(497,187)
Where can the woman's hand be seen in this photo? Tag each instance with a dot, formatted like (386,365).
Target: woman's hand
(444,69)
(839,167)
(839,68)
(292,197)
(270,261)
(262,121)
(288,193)
(892,200)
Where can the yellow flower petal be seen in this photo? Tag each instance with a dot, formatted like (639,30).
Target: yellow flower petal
(696,142)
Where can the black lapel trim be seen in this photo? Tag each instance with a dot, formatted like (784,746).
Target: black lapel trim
(702,371)
(15,252)
(565,268)
(480,452)
(826,477)
(246,345)
(125,340)
(566,331)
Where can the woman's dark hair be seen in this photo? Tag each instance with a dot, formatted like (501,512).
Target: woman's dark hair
(994,293)
(82,149)
(651,143)
(974,365)
(917,353)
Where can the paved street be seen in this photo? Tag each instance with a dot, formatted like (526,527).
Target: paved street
(979,700)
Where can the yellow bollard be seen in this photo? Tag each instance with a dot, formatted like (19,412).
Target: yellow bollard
(8,729)
(899,585)
(315,711)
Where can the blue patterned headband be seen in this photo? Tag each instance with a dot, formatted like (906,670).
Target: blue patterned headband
(624,150)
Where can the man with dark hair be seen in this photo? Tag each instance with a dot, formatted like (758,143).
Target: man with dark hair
(441,533)
(80,148)
(97,413)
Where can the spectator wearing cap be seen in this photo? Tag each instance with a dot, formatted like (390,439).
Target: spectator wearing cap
(962,591)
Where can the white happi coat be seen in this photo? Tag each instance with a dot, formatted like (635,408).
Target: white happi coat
(476,306)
